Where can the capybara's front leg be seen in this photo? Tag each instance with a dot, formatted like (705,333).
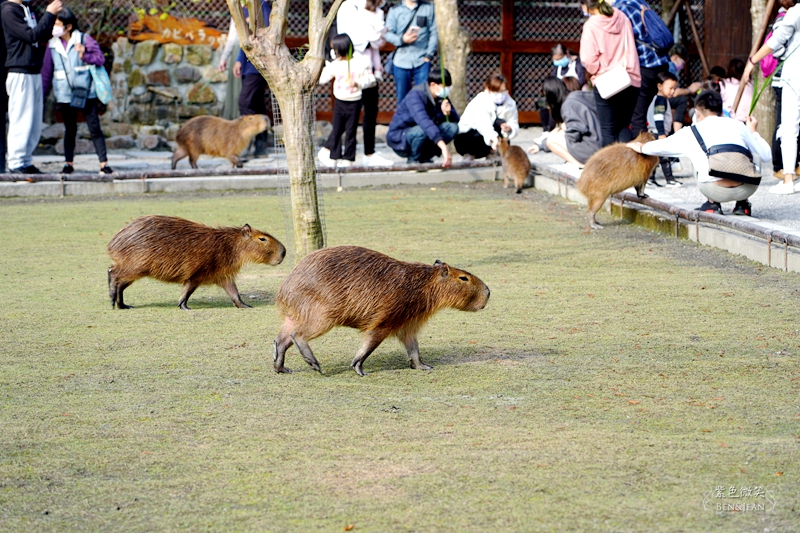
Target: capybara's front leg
(112,287)
(283,343)
(188,288)
(233,292)
(235,161)
(121,287)
(305,351)
(505,181)
(640,190)
(372,341)
(412,347)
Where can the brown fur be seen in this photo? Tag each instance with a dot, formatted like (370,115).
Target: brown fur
(176,250)
(217,137)
(613,169)
(516,164)
(366,290)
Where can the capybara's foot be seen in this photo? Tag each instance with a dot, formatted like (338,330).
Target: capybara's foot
(357,366)
(185,307)
(595,225)
(241,305)
(519,191)
(124,306)
(284,370)
(420,366)
(642,195)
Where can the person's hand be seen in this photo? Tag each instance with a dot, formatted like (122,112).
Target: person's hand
(748,69)
(752,123)
(81,49)
(494,142)
(425,59)
(505,127)
(55,7)
(409,36)
(353,83)
(635,146)
(533,149)
(448,160)
(223,65)
(446,107)
(237,69)
(695,87)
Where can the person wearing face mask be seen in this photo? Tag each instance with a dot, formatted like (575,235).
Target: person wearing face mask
(564,64)
(489,115)
(25,40)
(67,55)
(425,122)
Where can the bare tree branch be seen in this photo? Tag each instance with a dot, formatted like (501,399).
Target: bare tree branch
(256,16)
(238,19)
(278,22)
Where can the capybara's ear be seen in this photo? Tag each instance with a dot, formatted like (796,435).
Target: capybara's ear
(246,231)
(445,270)
(437,263)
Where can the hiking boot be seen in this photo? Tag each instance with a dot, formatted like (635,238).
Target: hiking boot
(711,207)
(68,169)
(743,208)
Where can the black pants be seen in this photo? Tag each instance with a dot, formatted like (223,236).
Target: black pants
(666,168)
(615,114)
(678,106)
(251,99)
(472,142)
(647,92)
(70,116)
(548,124)
(369,100)
(345,120)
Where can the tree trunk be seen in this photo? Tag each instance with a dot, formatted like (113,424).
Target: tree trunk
(765,108)
(454,49)
(293,84)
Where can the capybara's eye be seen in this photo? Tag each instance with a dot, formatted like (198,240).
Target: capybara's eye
(262,239)
(463,278)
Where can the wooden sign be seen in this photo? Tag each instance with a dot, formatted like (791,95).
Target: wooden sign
(171,29)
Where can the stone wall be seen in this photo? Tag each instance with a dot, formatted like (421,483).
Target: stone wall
(164,85)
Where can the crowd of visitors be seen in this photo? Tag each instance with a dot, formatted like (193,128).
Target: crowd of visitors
(624,81)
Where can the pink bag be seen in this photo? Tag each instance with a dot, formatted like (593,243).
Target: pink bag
(769,64)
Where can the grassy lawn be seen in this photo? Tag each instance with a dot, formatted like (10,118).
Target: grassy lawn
(614,379)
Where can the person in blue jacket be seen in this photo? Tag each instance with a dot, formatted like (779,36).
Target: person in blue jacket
(254,86)
(424,122)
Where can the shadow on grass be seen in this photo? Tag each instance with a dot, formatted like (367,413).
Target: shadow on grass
(398,360)
(255,299)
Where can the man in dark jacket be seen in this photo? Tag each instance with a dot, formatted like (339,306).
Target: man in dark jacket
(25,46)
(254,86)
(424,122)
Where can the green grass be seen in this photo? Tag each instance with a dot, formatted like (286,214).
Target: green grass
(614,379)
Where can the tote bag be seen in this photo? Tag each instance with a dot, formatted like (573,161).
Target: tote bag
(614,80)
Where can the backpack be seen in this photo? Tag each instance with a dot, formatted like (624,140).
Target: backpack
(656,34)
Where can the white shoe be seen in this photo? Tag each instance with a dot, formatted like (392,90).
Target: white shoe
(324,156)
(343,163)
(377,160)
(782,188)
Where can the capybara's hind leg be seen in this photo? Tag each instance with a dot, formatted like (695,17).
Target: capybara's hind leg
(372,341)
(235,161)
(112,287)
(233,292)
(179,154)
(305,351)
(282,343)
(121,286)
(594,207)
(188,288)
(409,340)
(640,190)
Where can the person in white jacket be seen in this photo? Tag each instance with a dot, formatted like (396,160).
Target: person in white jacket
(489,115)
(715,131)
(783,45)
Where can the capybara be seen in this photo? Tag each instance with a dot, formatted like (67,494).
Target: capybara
(177,250)
(366,290)
(218,137)
(613,169)
(516,164)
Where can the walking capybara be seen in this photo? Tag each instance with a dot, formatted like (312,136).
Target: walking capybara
(366,290)
(176,250)
(217,137)
(613,169)
(516,164)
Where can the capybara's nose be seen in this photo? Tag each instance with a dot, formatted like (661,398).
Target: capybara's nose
(283,254)
(488,292)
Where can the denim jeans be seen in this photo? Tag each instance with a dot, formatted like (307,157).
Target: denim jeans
(406,79)
(420,148)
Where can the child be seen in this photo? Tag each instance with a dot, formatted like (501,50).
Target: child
(659,121)
(375,25)
(350,73)
(25,50)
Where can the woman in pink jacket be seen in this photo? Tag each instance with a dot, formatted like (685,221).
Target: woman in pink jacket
(606,42)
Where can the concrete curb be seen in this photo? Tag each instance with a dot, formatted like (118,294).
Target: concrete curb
(737,235)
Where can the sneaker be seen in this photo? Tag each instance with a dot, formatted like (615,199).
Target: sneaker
(743,208)
(324,156)
(68,169)
(652,181)
(106,170)
(711,207)
(377,160)
(30,169)
(782,188)
(671,184)
(342,163)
